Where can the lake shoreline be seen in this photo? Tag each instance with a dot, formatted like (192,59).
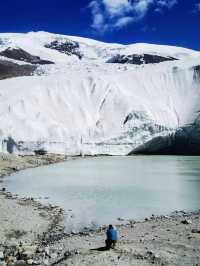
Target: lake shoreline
(76,248)
(41,218)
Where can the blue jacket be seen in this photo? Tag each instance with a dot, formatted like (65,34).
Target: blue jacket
(111,234)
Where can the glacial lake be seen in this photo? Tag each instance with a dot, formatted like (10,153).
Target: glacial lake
(96,191)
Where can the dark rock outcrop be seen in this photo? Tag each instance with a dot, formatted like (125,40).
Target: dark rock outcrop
(40,152)
(67,47)
(21,55)
(185,141)
(136,59)
(10,145)
(196,77)
(10,70)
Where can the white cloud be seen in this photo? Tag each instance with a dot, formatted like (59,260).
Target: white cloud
(167,3)
(98,17)
(122,22)
(117,7)
(116,14)
(141,7)
(161,4)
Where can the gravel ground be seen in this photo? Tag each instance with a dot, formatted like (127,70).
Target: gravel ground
(160,240)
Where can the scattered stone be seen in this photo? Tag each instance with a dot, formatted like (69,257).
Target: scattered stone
(1,255)
(195,231)
(54,255)
(43,214)
(10,259)
(16,234)
(10,263)
(166,217)
(46,262)
(150,253)
(121,219)
(30,262)
(20,263)
(47,251)
(186,222)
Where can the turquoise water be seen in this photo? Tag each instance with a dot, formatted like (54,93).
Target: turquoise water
(99,190)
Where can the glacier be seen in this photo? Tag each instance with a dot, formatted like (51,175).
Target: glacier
(80,103)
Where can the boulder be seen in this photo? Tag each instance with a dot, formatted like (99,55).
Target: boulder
(30,262)
(20,263)
(195,231)
(186,222)
(1,255)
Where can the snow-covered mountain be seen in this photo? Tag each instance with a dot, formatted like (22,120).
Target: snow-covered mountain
(74,95)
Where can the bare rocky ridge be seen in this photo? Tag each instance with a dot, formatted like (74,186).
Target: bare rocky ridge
(137,59)
(21,55)
(67,47)
(10,70)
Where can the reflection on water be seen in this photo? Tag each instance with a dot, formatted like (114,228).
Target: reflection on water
(190,170)
(98,190)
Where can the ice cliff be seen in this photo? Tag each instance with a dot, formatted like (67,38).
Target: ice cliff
(72,95)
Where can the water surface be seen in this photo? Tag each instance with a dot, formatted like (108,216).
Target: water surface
(99,190)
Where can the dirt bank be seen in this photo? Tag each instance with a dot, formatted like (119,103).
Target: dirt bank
(10,163)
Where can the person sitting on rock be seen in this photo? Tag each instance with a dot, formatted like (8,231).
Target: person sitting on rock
(112,237)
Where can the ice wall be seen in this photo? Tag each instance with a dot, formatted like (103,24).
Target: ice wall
(97,114)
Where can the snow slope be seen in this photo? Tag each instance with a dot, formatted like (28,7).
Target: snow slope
(87,106)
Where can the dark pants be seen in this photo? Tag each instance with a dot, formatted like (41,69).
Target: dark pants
(110,243)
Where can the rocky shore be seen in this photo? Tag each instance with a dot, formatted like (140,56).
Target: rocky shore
(33,234)
(158,240)
(24,223)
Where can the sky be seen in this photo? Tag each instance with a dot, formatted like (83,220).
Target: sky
(172,22)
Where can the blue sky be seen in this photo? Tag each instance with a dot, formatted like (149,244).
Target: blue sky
(175,22)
